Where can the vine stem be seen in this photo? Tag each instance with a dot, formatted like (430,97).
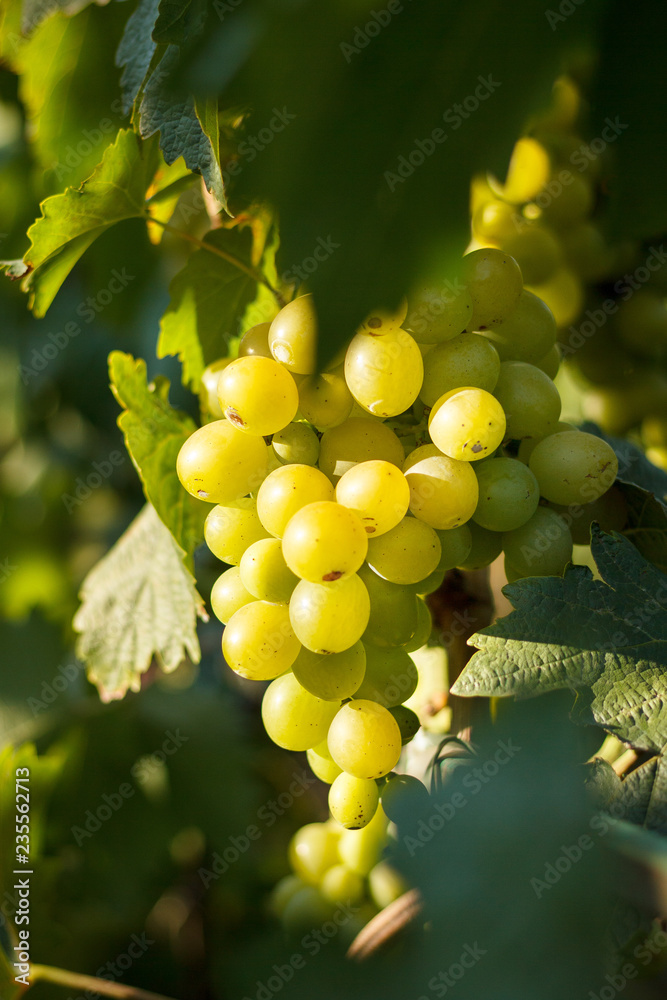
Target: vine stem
(63,977)
(229,257)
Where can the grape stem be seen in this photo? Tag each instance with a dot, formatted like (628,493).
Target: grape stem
(385,925)
(63,977)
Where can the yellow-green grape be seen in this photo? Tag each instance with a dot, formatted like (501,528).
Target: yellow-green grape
(353,801)
(324,542)
(439,314)
(528,334)
(377,492)
(231,527)
(424,625)
(573,467)
(285,491)
(293,717)
(494,221)
(321,764)
(528,445)
(403,797)
(641,323)
(617,408)
(340,886)
(385,884)
(255,342)
(257,395)
(282,892)
(540,547)
(467,424)
(537,252)
(296,444)
(381,321)
(455,546)
(364,739)
(654,432)
(293,335)
(529,398)
(469,359)
(333,677)
(406,553)
(264,572)
(219,463)
(508,494)
(527,173)
(564,294)
(390,679)
(550,363)
(610,511)
(358,439)
(394,615)
(325,400)
(384,374)
(486,547)
(208,389)
(359,850)
(586,251)
(312,851)
(443,491)
(306,910)
(330,617)
(430,582)
(495,283)
(408,722)
(258,642)
(228,595)
(573,203)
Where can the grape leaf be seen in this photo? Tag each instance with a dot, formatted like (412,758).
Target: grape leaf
(35,11)
(136,50)
(605,639)
(179,20)
(646,526)
(71,221)
(154,434)
(138,603)
(643,796)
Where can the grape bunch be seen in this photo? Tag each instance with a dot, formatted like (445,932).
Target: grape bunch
(341,498)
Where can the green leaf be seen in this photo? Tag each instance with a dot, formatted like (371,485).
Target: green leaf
(71,221)
(139,603)
(643,796)
(136,50)
(36,11)
(154,434)
(605,639)
(179,21)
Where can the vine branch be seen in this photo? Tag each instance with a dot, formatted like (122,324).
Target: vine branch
(77,981)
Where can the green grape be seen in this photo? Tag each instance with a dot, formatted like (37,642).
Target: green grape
(330,617)
(573,467)
(495,283)
(537,252)
(364,739)
(511,574)
(528,334)
(654,431)
(285,491)
(340,886)
(264,572)
(297,444)
(257,395)
(305,911)
(258,642)
(467,424)
(218,463)
(293,717)
(381,321)
(439,314)
(358,439)
(325,400)
(407,553)
(231,527)
(353,801)
(494,221)
(641,323)
(564,294)
(390,678)
(313,850)
(384,374)
(486,547)
(610,511)
(323,767)
(540,547)
(430,582)
(529,398)
(208,389)
(255,342)
(550,363)
(228,595)
(333,677)
(377,492)
(469,359)
(385,884)
(324,542)
(443,491)
(359,850)
(394,615)
(293,335)
(404,797)
(408,722)
(455,546)
(528,445)
(282,893)
(424,627)
(528,172)
(573,204)
(508,494)
(586,251)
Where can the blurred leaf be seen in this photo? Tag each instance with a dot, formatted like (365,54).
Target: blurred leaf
(643,796)
(36,11)
(179,20)
(136,50)
(602,781)
(162,198)
(646,526)
(605,639)
(154,434)
(138,603)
